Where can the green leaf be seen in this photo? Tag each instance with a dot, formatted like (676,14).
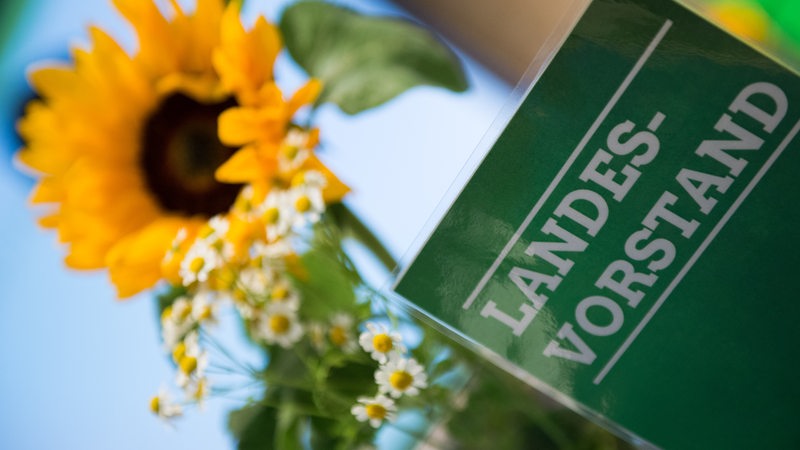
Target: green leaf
(342,387)
(323,433)
(328,287)
(289,435)
(366,61)
(253,427)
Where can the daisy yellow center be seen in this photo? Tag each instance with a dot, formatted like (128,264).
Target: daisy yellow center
(181,151)
(196,265)
(188,364)
(280,293)
(206,231)
(166,314)
(184,313)
(200,391)
(338,336)
(155,404)
(244,204)
(375,411)
(271,215)
(224,279)
(205,313)
(239,294)
(382,343)
(299,179)
(179,352)
(256,262)
(290,151)
(302,204)
(279,324)
(401,380)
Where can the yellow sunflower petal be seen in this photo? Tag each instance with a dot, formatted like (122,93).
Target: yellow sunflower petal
(48,190)
(39,157)
(245,59)
(195,36)
(239,126)
(135,262)
(53,81)
(247,164)
(101,205)
(156,43)
(303,96)
(89,256)
(205,87)
(49,221)
(265,44)
(335,190)
(242,233)
(206,22)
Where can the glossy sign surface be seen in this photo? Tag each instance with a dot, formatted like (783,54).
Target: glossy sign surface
(632,239)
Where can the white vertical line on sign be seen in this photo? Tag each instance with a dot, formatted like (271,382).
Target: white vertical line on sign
(699,252)
(560,175)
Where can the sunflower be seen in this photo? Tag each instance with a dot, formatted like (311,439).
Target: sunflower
(127,146)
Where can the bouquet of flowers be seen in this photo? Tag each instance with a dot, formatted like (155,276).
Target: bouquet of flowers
(184,169)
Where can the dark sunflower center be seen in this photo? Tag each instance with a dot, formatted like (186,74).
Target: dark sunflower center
(181,152)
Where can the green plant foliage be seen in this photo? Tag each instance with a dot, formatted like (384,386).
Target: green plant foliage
(328,287)
(253,427)
(366,61)
(527,419)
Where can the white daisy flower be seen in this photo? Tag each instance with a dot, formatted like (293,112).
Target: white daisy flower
(163,406)
(198,391)
(283,292)
(401,376)
(175,246)
(375,410)
(171,334)
(310,179)
(278,324)
(191,368)
(199,261)
(215,229)
(190,345)
(181,309)
(307,204)
(246,310)
(245,205)
(317,333)
(205,307)
(255,280)
(273,254)
(176,321)
(252,289)
(276,213)
(192,363)
(341,333)
(381,343)
(294,150)
(212,235)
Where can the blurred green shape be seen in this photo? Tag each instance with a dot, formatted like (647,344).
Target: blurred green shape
(10,10)
(365,61)
(786,14)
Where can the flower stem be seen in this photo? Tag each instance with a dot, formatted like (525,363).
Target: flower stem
(353,227)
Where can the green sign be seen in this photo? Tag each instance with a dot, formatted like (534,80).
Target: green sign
(631,242)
